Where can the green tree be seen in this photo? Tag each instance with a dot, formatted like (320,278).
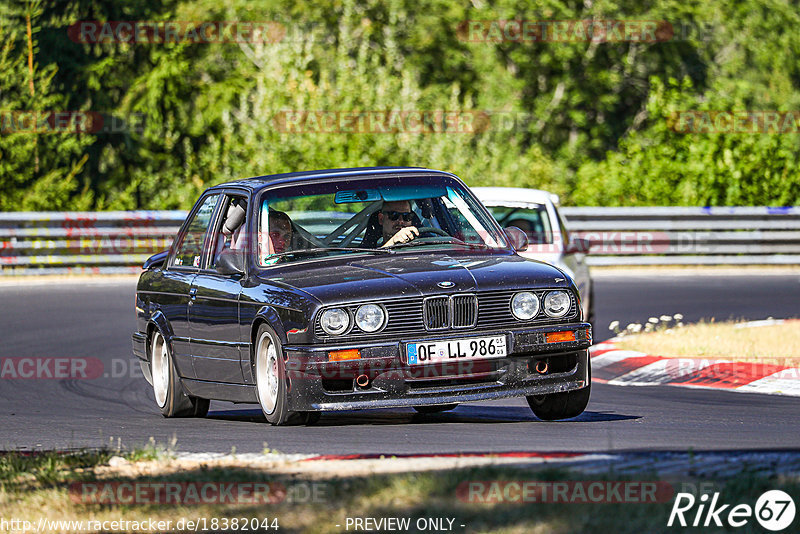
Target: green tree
(591,119)
(38,171)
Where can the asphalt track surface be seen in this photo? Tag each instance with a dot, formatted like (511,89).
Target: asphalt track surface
(96,319)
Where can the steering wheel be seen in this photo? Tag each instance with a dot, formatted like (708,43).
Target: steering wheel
(432,230)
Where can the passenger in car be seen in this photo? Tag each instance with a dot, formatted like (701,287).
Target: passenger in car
(280,232)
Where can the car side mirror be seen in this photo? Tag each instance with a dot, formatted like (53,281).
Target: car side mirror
(156,261)
(517,238)
(578,245)
(230,261)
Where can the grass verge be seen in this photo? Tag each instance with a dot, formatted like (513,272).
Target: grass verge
(774,344)
(44,486)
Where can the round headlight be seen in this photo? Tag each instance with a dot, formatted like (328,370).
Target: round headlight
(370,317)
(556,303)
(525,305)
(335,321)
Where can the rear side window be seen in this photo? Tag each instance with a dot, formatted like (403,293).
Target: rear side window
(190,249)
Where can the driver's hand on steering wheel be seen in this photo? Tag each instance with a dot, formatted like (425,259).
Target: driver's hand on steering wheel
(404,235)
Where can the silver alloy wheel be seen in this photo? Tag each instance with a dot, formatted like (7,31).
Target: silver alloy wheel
(267,373)
(160,369)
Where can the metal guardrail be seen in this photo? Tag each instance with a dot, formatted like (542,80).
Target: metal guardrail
(689,236)
(83,242)
(120,241)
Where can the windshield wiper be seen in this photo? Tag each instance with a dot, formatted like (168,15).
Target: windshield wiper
(452,241)
(314,250)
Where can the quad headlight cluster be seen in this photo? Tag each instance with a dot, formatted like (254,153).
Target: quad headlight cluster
(525,305)
(369,318)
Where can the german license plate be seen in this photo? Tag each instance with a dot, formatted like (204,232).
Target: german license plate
(456,350)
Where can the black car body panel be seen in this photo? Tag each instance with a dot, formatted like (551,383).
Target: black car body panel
(210,320)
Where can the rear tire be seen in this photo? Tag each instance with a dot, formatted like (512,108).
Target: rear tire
(437,408)
(170,397)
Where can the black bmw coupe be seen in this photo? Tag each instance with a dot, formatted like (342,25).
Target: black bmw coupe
(353,289)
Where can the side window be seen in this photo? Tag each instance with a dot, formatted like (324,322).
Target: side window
(231,231)
(190,249)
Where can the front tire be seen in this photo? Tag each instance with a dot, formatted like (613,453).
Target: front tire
(270,373)
(170,397)
(564,405)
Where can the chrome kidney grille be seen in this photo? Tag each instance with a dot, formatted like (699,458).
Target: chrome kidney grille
(455,311)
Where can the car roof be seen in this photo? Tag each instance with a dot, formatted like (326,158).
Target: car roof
(512,196)
(258,182)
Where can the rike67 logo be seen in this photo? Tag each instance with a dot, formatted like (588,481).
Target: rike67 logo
(774,510)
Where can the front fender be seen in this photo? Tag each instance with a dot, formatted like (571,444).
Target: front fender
(269,315)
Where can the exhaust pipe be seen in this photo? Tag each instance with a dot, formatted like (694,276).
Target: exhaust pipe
(541,367)
(362,381)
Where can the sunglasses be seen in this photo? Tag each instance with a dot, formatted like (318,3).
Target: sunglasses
(394,215)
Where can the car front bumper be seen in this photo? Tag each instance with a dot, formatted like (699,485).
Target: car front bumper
(317,384)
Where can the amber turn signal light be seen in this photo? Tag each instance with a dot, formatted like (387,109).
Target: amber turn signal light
(342,355)
(555,337)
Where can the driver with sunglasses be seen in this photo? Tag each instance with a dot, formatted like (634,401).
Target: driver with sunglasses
(395,220)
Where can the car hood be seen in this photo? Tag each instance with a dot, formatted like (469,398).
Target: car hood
(405,274)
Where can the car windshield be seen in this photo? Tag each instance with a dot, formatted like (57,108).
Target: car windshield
(533,220)
(371,216)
